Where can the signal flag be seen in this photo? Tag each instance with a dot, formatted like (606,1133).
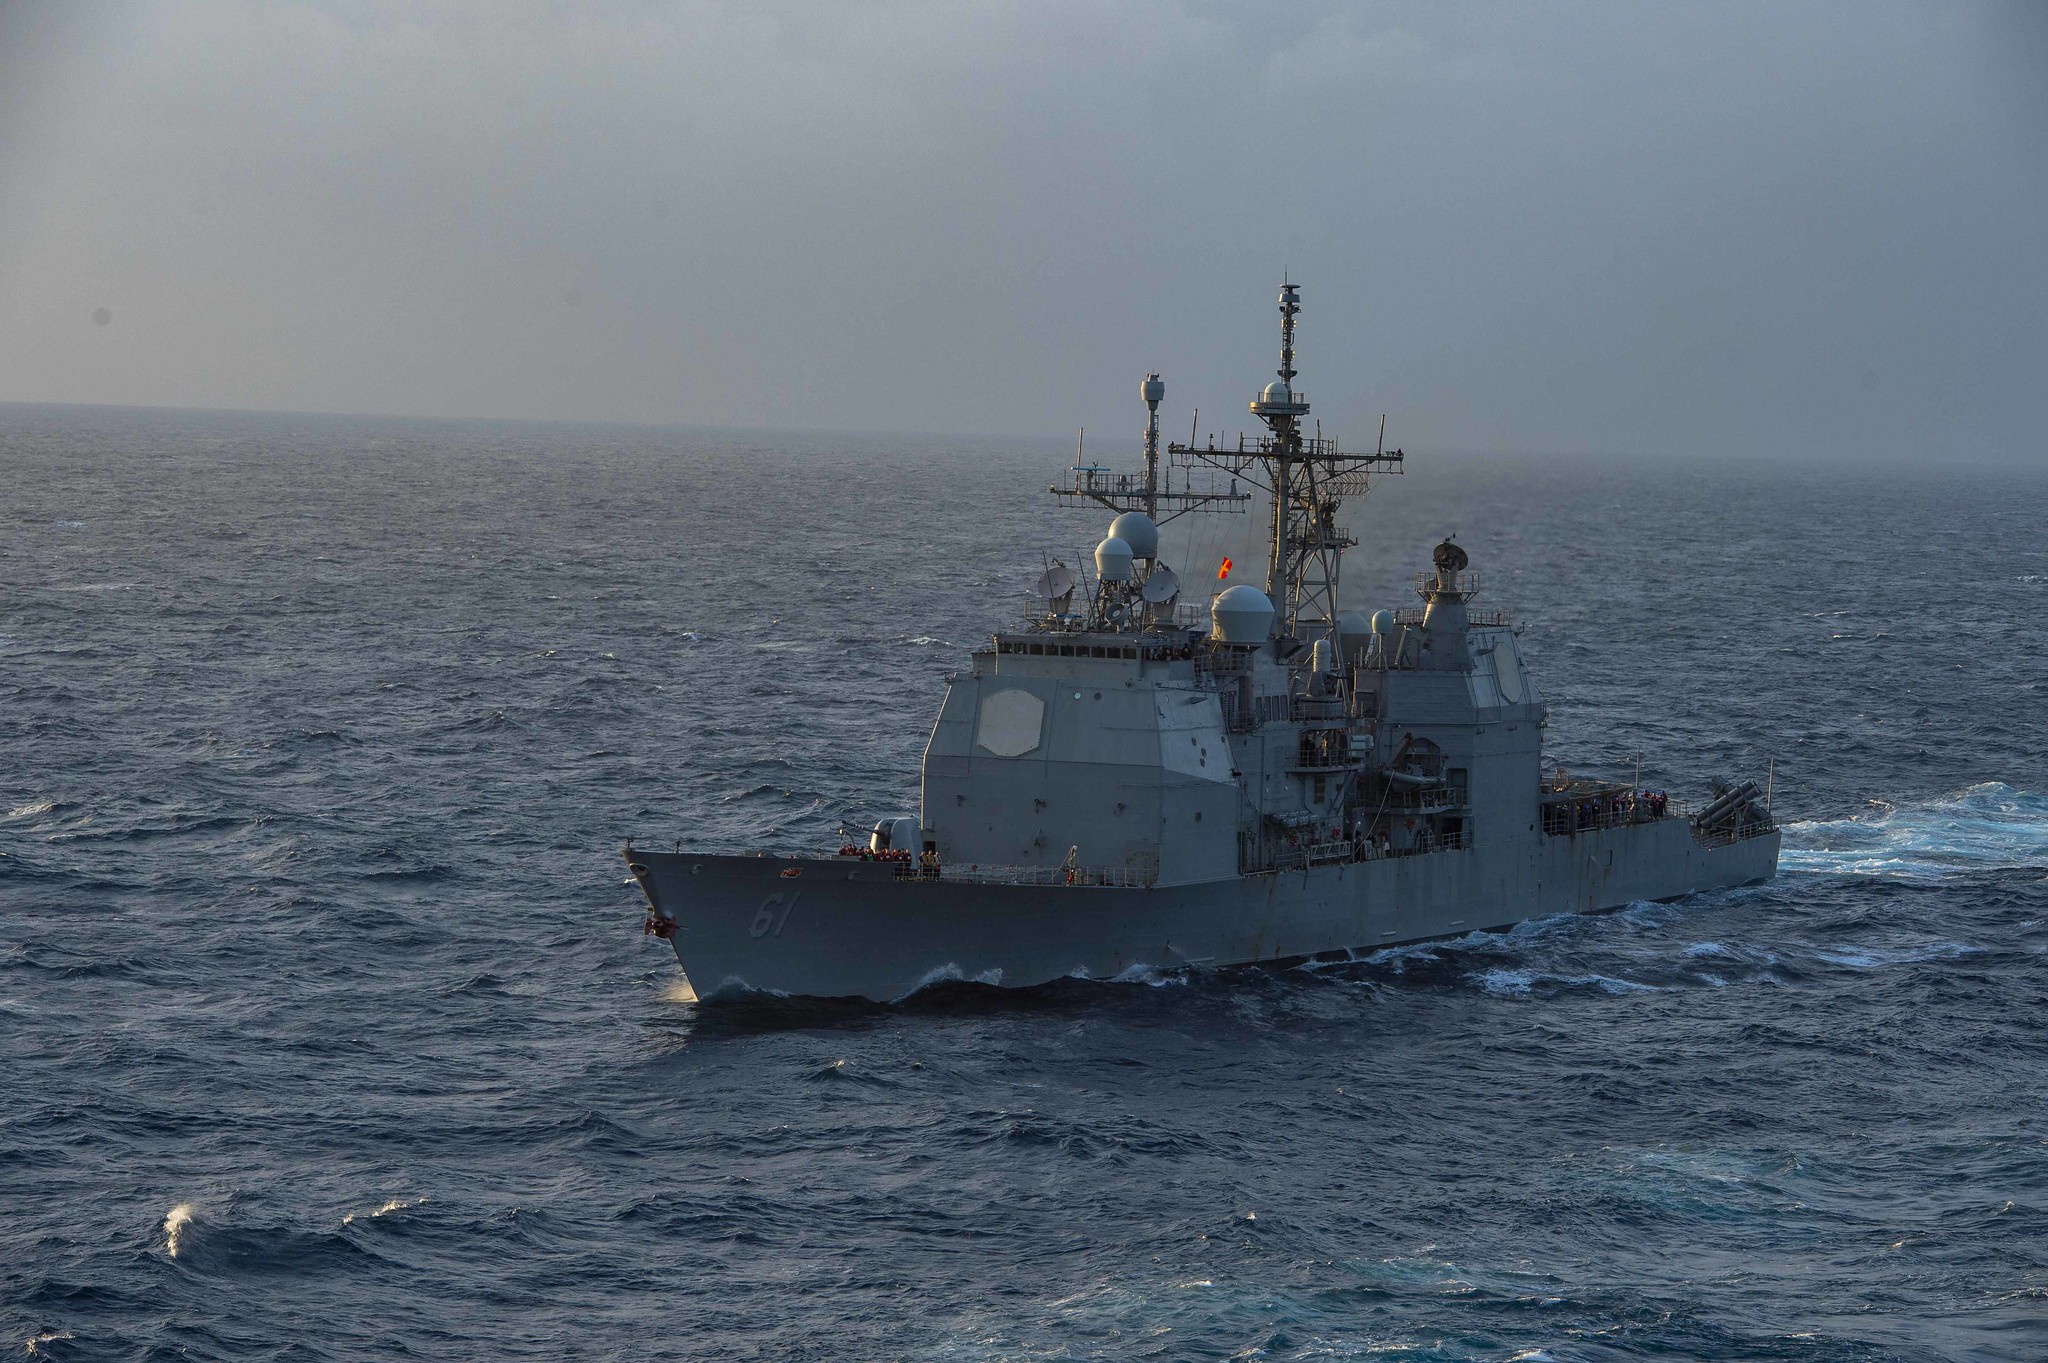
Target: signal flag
(1224,571)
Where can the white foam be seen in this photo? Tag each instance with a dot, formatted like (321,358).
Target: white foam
(1149,975)
(1521,983)
(1396,959)
(944,974)
(1532,927)
(733,987)
(1874,959)
(1502,981)
(1611,985)
(32,809)
(396,1204)
(1643,913)
(951,974)
(1988,827)
(177,1227)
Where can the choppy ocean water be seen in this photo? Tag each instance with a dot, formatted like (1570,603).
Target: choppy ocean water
(327,1029)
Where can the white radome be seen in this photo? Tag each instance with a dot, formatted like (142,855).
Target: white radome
(1136,529)
(1242,615)
(1113,560)
(1354,631)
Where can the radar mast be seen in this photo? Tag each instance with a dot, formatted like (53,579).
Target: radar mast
(1162,499)
(1308,478)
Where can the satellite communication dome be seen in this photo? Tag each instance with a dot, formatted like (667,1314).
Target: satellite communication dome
(1242,615)
(1136,529)
(1276,391)
(1113,560)
(1382,622)
(1354,631)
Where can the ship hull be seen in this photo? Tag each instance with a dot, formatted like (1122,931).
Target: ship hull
(836,928)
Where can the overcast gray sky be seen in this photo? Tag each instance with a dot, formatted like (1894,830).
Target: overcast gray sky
(1663,228)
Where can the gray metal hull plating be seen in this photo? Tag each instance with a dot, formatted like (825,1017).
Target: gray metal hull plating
(831,927)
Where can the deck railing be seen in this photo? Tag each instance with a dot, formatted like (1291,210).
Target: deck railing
(1424,800)
(1721,835)
(1123,877)
(1566,816)
(1326,853)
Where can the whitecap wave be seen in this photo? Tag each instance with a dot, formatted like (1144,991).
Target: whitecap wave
(1523,983)
(733,987)
(1988,827)
(1399,958)
(1150,975)
(1876,958)
(178,1228)
(396,1204)
(950,974)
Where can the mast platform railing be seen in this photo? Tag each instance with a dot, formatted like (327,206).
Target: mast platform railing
(1466,583)
(1412,616)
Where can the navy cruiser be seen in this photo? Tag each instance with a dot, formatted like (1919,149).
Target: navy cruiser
(1129,781)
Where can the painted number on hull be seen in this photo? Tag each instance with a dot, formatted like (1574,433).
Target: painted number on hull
(774,913)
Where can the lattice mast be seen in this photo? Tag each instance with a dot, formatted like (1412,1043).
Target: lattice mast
(1308,478)
(1157,497)
(1152,390)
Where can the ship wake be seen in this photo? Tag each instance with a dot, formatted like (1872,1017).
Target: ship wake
(1988,827)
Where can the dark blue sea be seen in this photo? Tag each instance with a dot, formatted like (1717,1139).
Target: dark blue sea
(328,1031)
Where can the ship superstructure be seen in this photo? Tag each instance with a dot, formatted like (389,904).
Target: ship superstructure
(1126,781)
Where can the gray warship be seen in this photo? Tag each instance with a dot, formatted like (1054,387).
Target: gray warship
(1125,782)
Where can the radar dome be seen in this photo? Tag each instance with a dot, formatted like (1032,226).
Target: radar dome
(1242,615)
(1276,391)
(1113,560)
(1354,632)
(1136,529)
(1382,622)
(1152,390)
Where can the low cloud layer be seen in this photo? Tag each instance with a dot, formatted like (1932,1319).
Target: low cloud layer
(1671,230)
